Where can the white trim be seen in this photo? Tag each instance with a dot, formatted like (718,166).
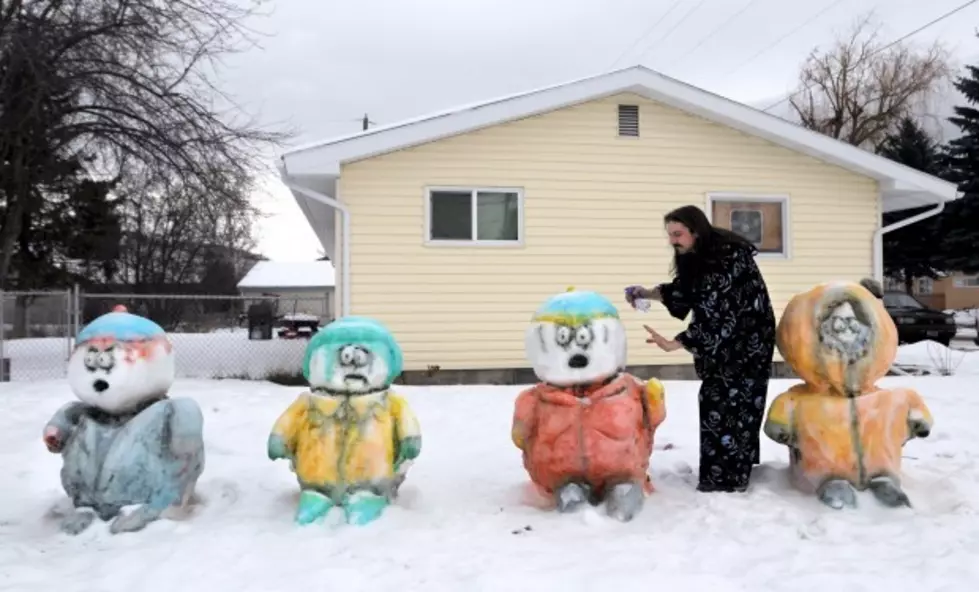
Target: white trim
(474,191)
(779,198)
(903,186)
(345,230)
(877,242)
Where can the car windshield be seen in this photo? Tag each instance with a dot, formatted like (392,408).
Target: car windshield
(901,300)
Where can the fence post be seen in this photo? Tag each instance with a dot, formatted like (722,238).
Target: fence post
(76,319)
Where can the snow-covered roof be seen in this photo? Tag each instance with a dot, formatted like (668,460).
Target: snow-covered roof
(290,274)
(902,187)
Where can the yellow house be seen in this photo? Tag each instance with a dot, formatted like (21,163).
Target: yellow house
(453,228)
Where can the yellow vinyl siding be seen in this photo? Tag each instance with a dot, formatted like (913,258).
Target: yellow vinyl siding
(593,209)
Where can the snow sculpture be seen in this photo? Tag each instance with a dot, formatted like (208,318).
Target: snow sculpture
(586,430)
(350,439)
(126,443)
(844,432)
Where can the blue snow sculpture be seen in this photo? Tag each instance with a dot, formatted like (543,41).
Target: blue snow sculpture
(126,443)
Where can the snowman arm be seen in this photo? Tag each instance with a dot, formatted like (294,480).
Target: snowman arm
(405,421)
(186,423)
(282,439)
(655,394)
(407,430)
(66,419)
(920,420)
(779,423)
(524,417)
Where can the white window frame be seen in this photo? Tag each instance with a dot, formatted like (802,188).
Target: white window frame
(924,286)
(474,242)
(783,199)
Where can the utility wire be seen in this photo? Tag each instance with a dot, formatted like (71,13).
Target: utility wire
(786,36)
(716,29)
(888,46)
(645,34)
(673,28)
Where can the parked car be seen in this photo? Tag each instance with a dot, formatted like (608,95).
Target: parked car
(916,322)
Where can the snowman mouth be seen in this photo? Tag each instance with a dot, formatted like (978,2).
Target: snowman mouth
(100,386)
(355,378)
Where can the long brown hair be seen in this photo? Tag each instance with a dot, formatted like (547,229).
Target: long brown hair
(708,243)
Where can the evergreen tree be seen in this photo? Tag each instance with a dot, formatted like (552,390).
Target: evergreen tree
(960,227)
(915,250)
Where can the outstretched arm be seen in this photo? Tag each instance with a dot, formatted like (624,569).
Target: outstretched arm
(407,431)
(62,425)
(728,299)
(677,302)
(524,417)
(282,440)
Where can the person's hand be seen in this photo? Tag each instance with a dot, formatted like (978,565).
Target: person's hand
(633,293)
(667,345)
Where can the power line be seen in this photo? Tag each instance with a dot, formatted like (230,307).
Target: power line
(645,34)
(786,36)
(888,46)
(714,32)
(673,28)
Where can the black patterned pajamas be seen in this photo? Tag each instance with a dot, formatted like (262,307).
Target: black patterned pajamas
(732,339)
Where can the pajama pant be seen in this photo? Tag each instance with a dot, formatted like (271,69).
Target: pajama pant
(731,413)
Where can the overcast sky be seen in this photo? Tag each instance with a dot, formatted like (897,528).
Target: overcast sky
(324,63)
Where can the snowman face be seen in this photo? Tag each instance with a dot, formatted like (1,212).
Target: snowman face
(584,353)
(117,376)
(844,332)
(352,368)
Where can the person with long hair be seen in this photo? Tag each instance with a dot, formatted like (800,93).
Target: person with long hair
(731,337)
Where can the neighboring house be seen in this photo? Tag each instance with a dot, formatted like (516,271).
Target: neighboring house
(950,291)
(301,287)
(454,228)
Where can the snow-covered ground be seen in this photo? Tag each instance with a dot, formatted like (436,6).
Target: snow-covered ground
(468,521)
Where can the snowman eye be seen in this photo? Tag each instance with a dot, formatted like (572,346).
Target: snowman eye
(106,360)
(583,336)
(347,355)
(360,357)
(563,335)
(91,359)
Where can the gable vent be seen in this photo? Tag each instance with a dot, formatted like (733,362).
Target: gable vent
(629,120)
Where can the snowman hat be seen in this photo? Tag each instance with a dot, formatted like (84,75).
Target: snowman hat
(121,325)
(575,307)
(355,330)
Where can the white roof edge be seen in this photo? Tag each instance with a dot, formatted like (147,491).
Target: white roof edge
(326,157)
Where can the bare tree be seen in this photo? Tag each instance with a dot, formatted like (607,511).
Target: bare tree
(861,88)
(123,88)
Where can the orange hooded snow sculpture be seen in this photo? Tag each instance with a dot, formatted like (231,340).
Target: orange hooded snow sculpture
(586,431)
(843,431)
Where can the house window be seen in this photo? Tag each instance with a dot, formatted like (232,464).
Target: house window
(761,220)
(475,216)
(966,282)
(892,284)
(923,286)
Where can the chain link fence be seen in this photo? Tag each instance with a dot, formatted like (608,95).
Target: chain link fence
(244,337)
(37,332)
